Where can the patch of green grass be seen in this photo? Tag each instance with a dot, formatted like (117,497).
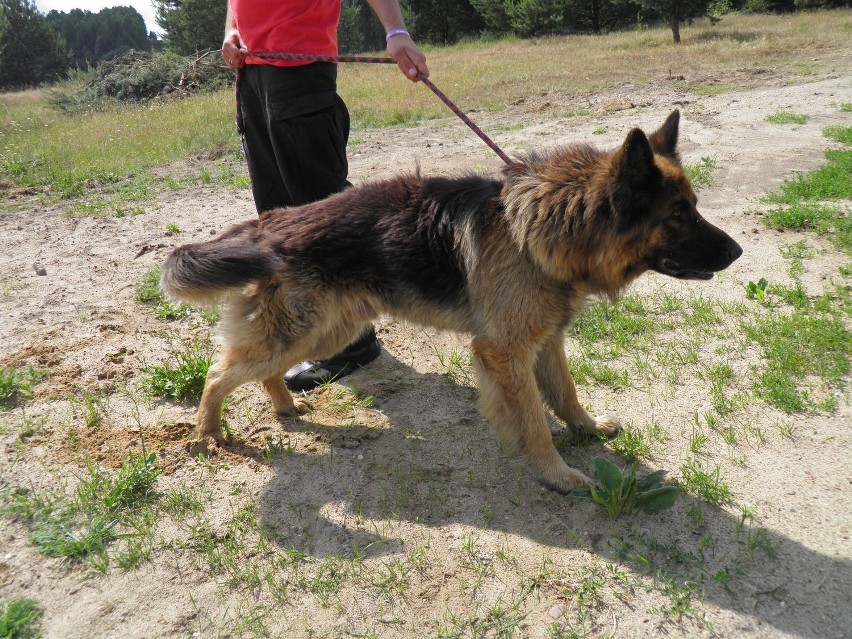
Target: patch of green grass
(784,380)
(708,486)
(459,367)
(720,375)
(631,443)
(838,133)
(701,312)
(500,619)
(184,378)
(700,174)
(786,117)
(846,107)
(804,199)
(831,222)
(796,295)
(634,443)
(611,327)
(101,511)
(671,569)
(149,293)
(109,151)
(20,619)
(92,407)
(16,385)
(181,503)
(830,182)
(586,370)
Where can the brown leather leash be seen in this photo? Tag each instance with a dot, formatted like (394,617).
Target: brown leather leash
(267,55)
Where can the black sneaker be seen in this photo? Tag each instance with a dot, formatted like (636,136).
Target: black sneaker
(312,373)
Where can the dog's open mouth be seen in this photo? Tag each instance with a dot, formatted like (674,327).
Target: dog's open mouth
(671,268)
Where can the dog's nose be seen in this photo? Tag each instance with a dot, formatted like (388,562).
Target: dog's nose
(734,251)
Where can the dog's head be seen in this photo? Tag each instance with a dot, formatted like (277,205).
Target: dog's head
(654,201)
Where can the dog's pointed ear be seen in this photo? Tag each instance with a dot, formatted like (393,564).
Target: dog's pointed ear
(664,139)
(635,174)
(636,159)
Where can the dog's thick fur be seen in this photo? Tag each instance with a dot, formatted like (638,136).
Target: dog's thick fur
(510,261)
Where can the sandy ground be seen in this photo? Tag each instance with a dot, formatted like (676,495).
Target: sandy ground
(420,470)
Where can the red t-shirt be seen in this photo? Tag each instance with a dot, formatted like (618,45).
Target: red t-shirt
(287,26)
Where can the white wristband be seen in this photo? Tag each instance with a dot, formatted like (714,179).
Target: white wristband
(396,32)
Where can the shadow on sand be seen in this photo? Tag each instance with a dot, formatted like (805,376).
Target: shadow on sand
(444,468)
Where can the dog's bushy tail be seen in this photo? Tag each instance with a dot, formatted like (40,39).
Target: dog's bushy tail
(202,273)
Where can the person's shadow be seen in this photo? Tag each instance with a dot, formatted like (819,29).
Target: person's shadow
(443,467)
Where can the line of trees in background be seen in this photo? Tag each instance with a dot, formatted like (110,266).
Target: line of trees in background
(37,49)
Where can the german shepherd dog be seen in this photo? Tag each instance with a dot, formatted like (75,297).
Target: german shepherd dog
(510,261)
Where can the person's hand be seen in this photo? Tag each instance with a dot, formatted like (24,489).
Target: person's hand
(408,57)
(231,50)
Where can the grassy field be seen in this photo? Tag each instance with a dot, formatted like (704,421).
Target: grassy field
(61,154)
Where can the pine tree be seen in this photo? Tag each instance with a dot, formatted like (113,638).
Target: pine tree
(191,25)
(31,51)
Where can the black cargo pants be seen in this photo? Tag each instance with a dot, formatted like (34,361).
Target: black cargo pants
(294,129)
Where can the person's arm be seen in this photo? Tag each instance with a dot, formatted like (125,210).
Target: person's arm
(401,47)
(232,43)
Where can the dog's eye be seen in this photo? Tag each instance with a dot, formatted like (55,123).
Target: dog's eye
(677,213)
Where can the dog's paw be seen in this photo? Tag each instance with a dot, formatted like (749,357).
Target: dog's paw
(300,406)
(605,425)
(205,445)
(555,473)
(566,480)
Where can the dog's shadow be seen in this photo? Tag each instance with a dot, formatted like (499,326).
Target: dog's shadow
(442,469)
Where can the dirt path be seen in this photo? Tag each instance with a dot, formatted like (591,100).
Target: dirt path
(449,537)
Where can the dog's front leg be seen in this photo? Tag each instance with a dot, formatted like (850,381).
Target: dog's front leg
(510,402)
(557,387)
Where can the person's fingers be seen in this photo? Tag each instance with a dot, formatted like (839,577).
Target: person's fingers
(407,66)
(232,55)
(413,64)
(419,62)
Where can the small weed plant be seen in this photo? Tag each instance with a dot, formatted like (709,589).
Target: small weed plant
(20,619)
(16,385)
(708,486)
(102,510)
(786,117)
(91,407)
(184,377)
(757,291)
(149,293)
(700,174)
(625,494)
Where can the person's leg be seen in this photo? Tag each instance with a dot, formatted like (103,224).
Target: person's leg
(267,185)
(311,373)
(308,153)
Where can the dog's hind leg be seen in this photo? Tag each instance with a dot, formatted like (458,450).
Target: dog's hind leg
(557,387)
(511,403)
(281,398)
(229,372)
(234,368)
